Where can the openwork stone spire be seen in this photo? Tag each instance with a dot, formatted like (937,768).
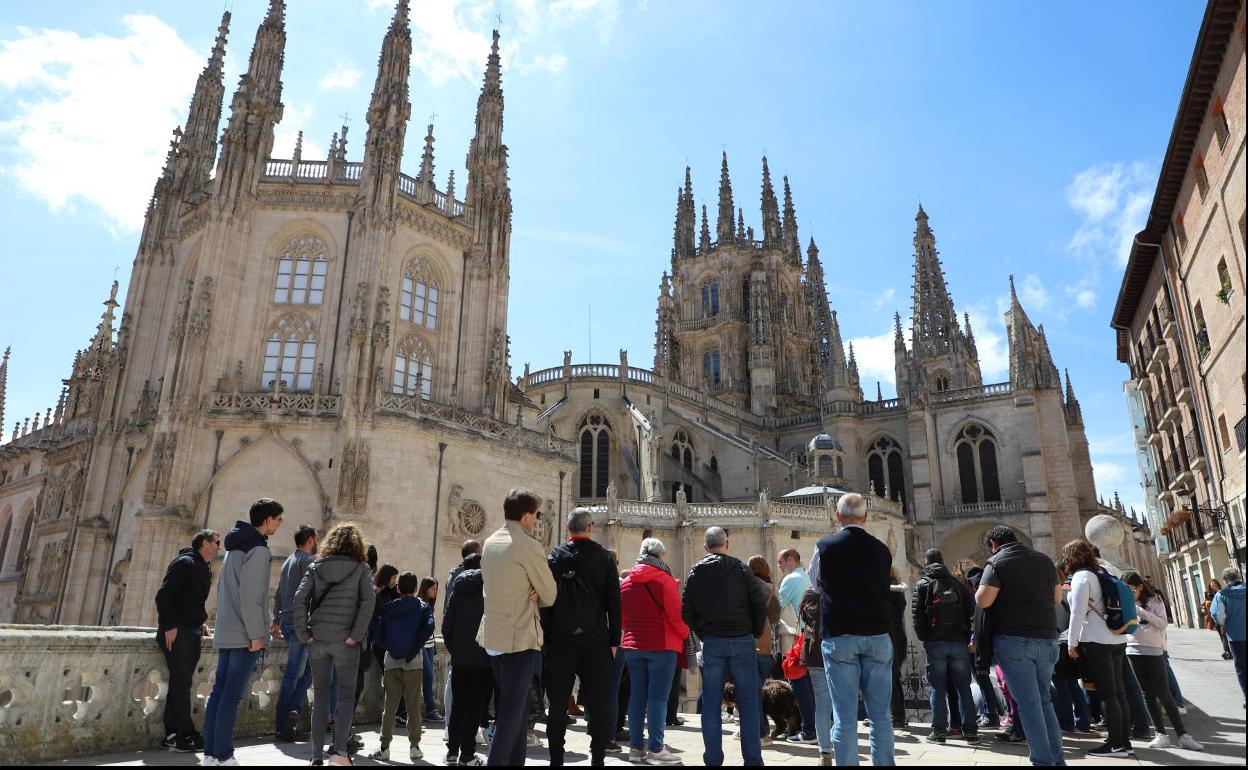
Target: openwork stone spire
(426,159)
(723,226)
(199,140)
(1031,364)
(704,237)
(4,384)
(934,323)
(388,113)
(792,245)
(488,194)
(772,235)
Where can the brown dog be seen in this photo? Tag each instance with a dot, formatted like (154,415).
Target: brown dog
(779,704)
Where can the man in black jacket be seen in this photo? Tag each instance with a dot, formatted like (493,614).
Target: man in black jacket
(857,646)
(180,617)
(469,548)
(727,609)
(942,610)
(582,634)
(472,680)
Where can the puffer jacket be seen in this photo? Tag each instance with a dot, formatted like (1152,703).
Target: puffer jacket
(1150,635)
(921,602)
(763,642)
(461,617)
(406,624)
(650,606)
(334,601)
(722,599)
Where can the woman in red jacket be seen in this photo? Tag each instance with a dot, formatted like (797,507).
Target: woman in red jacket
(653,635)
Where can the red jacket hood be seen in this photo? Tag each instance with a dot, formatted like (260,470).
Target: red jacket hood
(645,573)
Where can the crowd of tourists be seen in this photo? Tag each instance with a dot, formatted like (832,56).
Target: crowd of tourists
(1034,648)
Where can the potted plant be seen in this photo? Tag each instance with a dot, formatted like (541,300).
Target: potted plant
(1224,294)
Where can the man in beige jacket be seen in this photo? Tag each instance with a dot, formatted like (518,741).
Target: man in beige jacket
(517,581)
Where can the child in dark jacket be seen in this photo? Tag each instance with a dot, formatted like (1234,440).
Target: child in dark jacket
(406,624)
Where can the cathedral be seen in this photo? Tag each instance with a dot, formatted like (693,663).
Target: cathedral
(332,333)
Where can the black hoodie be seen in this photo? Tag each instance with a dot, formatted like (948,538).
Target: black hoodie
(923,591)
(181,598)
(465,604)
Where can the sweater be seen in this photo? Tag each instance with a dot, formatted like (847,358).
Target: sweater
(243,589)
(650,607)
(1150,636)
(288,581)
(334,601)
(1086,601)
(184,591)
(854,575)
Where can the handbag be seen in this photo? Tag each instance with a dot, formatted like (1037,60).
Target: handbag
(791,664)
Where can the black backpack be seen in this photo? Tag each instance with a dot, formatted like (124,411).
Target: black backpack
(577,613)
(945,610)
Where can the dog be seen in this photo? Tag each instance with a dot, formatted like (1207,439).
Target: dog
(779,704)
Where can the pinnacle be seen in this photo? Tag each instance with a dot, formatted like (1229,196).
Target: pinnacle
(400,20)
(216,60)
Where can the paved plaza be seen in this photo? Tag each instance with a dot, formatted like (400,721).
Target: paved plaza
(1215,717)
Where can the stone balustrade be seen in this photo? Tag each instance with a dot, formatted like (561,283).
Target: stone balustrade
(68,691)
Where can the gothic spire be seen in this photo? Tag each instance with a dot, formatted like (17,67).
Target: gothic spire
(772,236)
(678,250)
(899,339)
(740,224)
(934,323)
(1031,364)
(488,195)
(199,140)
(853,366)
(704,238)
(836,347)
(4,384)
(791,243)
(723,226)
(254,112)
(1074,413)
(686,217)
(388,113)
(426,159)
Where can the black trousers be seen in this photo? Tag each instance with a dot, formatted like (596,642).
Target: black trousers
(181,660)
(471,688)
(1102,663)
(592,663)
(673,698)
(898,702)
(1150,670)
(514,673)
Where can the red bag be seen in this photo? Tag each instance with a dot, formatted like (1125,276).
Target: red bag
(791,663)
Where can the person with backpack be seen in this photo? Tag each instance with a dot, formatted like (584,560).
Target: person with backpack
(406,624)
(653,636)
(942,611)
(1096,636)
(333,605)
(1228,612)
(472,682)
(1145,648)
(582,630)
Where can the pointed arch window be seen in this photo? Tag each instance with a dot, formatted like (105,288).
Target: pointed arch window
(418,301)
(301,272)
(976,450)
(27,531)
(595,444)
(886,471)
(710,299)
(413,368)
(682,449)
(943,382)
(4,538)
(710,367)
(290,350)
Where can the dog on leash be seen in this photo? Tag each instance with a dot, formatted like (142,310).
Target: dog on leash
(779,705)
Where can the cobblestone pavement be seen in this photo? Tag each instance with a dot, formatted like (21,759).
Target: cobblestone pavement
(1208,684)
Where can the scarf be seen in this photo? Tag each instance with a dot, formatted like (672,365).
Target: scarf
(654,562)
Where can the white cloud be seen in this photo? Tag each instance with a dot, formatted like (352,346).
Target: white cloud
(450,38)
(1109,475)
(90,117)
(294,118)
(1032,292)
(341,76)
(883,299)
(876,361)
(1113,200)
(1082,296)
(990,341)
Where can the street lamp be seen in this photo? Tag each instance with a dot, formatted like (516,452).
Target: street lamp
(1219,514)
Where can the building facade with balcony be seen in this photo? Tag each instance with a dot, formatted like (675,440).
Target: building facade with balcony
(1180,322)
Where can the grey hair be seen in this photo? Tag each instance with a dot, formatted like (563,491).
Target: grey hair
(852,507)
(579,521)
(652,546)
(715,537)
(1231,575)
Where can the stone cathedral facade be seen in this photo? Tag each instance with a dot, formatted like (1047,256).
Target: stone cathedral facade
(333,334)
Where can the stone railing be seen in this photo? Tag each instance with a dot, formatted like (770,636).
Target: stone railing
(273,402)
(68,691)
(979,509)
(801,509)
(347,172)
(414,407)
(976,391)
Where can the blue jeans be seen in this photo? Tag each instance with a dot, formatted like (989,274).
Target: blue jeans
(1028,666)
(722,656)
(234,670)
(804,691)
(1174,682)
(948,664)
(650,677)
(427,683)
(295,680)
(1141,722)
(863,664)
(823,708)
(1070,704)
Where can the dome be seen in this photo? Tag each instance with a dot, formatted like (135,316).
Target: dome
(824,441)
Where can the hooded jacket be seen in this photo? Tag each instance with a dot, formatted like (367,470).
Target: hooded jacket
(243,589)
(650,603)
(1150,636)
(461,617)
(334,601)
(1228,611)
(722,599)
(406,624)
(184,592)
(922,599)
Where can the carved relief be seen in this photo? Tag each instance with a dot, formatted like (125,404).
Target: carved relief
(381,318)
(468,517)
(359,320)
(201,319)
(119,580)
(184,305)
(49,567)
(353,476)
(158,472)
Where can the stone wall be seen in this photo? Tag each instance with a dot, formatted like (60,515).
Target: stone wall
(68,691)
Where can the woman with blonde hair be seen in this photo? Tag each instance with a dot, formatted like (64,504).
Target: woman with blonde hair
(332,608)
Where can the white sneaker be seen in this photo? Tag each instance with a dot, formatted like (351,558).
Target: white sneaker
(663,757)
(1182,709)
(474,762)
(231,762)
(415,754)
(533,742)
(1162,741)
(636,755)
(208,761)
(1188,742)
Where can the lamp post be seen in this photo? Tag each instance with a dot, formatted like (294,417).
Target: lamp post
(1220,514)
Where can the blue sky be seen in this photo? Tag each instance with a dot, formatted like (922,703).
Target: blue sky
(1032,133)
